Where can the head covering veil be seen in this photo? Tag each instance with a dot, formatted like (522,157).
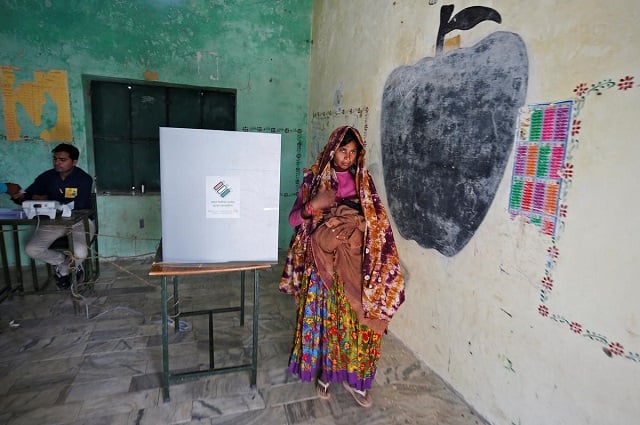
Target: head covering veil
(382,280)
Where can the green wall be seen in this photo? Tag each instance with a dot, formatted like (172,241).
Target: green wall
(261,49)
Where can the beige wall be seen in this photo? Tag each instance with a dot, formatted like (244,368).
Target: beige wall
(475,318)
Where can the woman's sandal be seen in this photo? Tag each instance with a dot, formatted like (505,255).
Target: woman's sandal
(322,388)
(363,398)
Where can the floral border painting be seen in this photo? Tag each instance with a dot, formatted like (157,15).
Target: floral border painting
(610,347)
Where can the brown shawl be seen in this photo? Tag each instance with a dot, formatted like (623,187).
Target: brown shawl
(381,284)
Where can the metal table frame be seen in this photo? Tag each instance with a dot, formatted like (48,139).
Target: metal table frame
(13,223)
(174,271)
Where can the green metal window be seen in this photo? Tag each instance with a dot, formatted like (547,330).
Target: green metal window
(126,119)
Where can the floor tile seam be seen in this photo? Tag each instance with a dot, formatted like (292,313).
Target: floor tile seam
(48,358)
(55,408)
(115,339)
(136,353)
(130,370)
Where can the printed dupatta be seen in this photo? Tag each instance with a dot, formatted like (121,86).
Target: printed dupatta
(383,283)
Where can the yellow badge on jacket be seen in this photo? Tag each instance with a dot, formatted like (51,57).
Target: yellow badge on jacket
(70,192)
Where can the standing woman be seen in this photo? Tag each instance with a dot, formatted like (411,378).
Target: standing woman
(343,269)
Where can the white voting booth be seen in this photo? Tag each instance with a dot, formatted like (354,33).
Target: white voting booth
(220,195)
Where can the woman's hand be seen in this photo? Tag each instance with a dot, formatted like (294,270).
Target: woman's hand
(338,228)
(332,222)
(323,199)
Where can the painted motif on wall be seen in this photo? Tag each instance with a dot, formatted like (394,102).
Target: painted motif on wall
(290,159)
(35,105)
(549,282)
(324,122)
(541,140)
(447,132)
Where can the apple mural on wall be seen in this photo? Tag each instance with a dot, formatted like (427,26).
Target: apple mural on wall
(447,129)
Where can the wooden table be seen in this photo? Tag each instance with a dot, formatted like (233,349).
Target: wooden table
(15,218)
(175,270)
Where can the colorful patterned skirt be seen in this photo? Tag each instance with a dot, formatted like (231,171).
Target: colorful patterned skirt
(329,342)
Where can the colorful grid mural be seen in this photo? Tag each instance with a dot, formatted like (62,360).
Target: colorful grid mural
(543,131)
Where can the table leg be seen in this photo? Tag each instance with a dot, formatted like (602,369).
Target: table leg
(89,272)
(34,275)
(211,353)
(176,306)
(72,271)
(165,340)
(256,298)
(5,263)
(16,250)
(242,298)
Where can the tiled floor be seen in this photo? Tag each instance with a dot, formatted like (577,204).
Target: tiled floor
(102,365)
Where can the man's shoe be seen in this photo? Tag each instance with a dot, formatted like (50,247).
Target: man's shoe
(79,273)
(62,282)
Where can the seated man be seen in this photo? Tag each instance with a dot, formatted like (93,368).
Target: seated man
(64,183)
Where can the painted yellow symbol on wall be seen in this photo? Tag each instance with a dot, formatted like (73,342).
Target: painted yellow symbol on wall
(38,108)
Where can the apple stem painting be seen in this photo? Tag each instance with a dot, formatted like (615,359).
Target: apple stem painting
(463,20)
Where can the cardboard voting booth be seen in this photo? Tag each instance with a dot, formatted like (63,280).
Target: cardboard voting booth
(220,195)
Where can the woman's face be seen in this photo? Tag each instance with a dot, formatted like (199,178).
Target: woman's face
(345,156)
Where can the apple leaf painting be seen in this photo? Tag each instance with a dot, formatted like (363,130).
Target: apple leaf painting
(447,132)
